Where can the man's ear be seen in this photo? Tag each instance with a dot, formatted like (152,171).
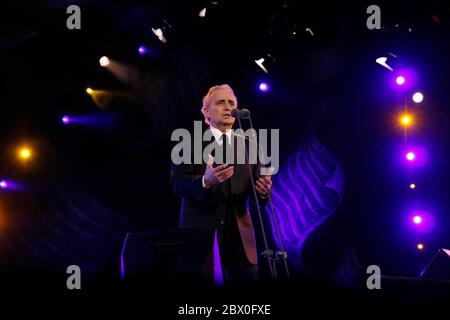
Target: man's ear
(205,111)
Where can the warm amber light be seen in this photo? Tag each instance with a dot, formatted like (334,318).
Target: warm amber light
(25,153)
(406,120)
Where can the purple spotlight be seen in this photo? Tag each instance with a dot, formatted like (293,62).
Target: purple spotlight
(410,156)
(416,156)
(405,78)
(264,87)
(3,184)
(9,185)
(65,119)
(142,50)
(417,219)
(400,80)
(421,221)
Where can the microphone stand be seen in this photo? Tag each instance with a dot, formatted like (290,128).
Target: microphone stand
(271,257)
(278,253)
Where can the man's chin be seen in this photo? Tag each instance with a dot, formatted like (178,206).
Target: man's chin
(224,123)
(228,122)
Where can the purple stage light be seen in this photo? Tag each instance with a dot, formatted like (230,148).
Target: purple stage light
(264,87)
(405,79)
(414,156)
(410,156)
(420,156)
(417,219)
(10,185)
(421,221)
(142,50)
(400,80)
(65,119)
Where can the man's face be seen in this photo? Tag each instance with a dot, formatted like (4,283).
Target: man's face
(219,109)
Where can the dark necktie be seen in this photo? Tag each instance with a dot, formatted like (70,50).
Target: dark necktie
(226,147)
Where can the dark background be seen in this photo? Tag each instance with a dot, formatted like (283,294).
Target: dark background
(86,187)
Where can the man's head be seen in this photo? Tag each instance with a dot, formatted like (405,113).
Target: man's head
(217,106)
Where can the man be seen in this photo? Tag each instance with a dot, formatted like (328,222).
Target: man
(214,199)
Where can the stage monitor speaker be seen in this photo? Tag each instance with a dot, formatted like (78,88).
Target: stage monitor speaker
(438,267)
(152,253)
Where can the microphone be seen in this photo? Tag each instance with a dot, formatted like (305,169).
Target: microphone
(243,113)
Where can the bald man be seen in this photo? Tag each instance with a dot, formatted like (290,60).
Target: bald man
(214,198)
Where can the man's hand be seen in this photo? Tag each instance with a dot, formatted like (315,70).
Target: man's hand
(218,174)
(263,185)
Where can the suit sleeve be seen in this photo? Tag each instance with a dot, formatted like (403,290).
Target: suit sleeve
(187,183)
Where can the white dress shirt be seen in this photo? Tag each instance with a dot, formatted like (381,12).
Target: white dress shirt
(218,136)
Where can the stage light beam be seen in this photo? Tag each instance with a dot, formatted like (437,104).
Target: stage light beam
(382,61)
(159,33)
(260,62)
(420,246)
(89,91)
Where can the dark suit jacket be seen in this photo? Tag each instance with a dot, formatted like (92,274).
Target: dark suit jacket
(206,209)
